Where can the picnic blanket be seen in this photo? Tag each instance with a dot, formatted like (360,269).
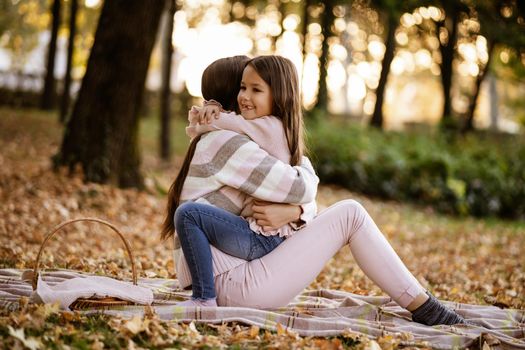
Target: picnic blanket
(312,313)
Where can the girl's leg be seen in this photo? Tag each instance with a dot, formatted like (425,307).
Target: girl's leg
(227,232)
(197,253)
(199,225)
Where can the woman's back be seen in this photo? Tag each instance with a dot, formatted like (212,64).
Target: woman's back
(225,158)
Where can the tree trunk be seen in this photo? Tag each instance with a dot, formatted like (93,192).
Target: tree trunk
(102,133)
(304,33)
(167,50)
(306,21)
(64,105)
(327,19)
(469,122)
(283,10)
(447,57)
(494,114)
(48,95)
(377,117)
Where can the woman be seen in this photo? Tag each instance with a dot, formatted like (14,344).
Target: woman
(275,279)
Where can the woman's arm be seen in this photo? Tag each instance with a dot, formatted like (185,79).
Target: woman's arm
(234,160)
(308,212)
(271,216)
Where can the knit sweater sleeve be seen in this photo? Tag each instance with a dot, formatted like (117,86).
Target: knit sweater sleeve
(242,164)
(267,132)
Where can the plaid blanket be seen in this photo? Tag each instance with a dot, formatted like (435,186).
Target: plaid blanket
(312,313)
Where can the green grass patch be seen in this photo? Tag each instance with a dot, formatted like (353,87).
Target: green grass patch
(150,134)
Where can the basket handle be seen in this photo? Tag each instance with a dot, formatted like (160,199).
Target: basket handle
(60,226)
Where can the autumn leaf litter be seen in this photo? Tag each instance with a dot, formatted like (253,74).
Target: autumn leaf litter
(458,259)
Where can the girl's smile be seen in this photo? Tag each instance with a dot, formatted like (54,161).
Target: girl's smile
(255,96)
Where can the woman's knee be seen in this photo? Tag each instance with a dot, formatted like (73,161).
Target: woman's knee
(354,213)
(353,207)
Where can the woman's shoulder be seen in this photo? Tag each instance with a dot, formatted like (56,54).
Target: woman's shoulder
(222,143)
(217,140)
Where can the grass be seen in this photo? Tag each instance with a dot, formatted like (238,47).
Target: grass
(150,131)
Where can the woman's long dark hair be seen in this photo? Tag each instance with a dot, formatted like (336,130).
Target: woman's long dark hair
(220,81)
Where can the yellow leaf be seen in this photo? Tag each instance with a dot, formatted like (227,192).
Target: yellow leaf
(254,331)
(134,325)
(372,345)
(50,309)
(280,329)
(30,343)
(97,345)
(132,345)
(193,328)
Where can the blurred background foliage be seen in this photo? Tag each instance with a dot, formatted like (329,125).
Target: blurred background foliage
(442,82)
(481,174)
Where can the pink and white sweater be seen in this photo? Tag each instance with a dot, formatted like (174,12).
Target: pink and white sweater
(228,166)
(268,133)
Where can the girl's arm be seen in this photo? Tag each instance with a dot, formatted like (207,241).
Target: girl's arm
(267,132)
(196,127)
(240,163)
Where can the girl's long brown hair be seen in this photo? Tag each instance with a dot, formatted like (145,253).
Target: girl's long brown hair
(220,81)
(281,75)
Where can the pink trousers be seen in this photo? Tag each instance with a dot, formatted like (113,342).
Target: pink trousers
(275,279)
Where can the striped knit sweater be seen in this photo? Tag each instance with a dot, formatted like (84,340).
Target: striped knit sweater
(268,133)
(225,168)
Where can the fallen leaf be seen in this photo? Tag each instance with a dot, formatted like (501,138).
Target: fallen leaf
(134,326)
(254,332)
(30,343)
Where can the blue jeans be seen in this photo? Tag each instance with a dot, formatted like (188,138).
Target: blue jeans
(199,225)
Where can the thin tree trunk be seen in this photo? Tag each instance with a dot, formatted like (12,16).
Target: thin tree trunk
(64,105)
(327,20)
(493,92)
(447,59)
(304,28)
(102,133)
(304,33)
(282,9)
(469,122)
(165,115)
(377,117)
(48,95)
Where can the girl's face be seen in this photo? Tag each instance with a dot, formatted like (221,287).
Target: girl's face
(255,96)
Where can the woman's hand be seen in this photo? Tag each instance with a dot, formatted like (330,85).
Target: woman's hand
(271,216)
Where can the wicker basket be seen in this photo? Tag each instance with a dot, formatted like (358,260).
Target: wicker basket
(88,303)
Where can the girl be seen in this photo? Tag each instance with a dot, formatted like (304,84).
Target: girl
(259,175)
(268,133)
(276,278)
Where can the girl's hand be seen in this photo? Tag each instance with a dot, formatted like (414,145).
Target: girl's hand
(193,115)
(271,216)
(208,112)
